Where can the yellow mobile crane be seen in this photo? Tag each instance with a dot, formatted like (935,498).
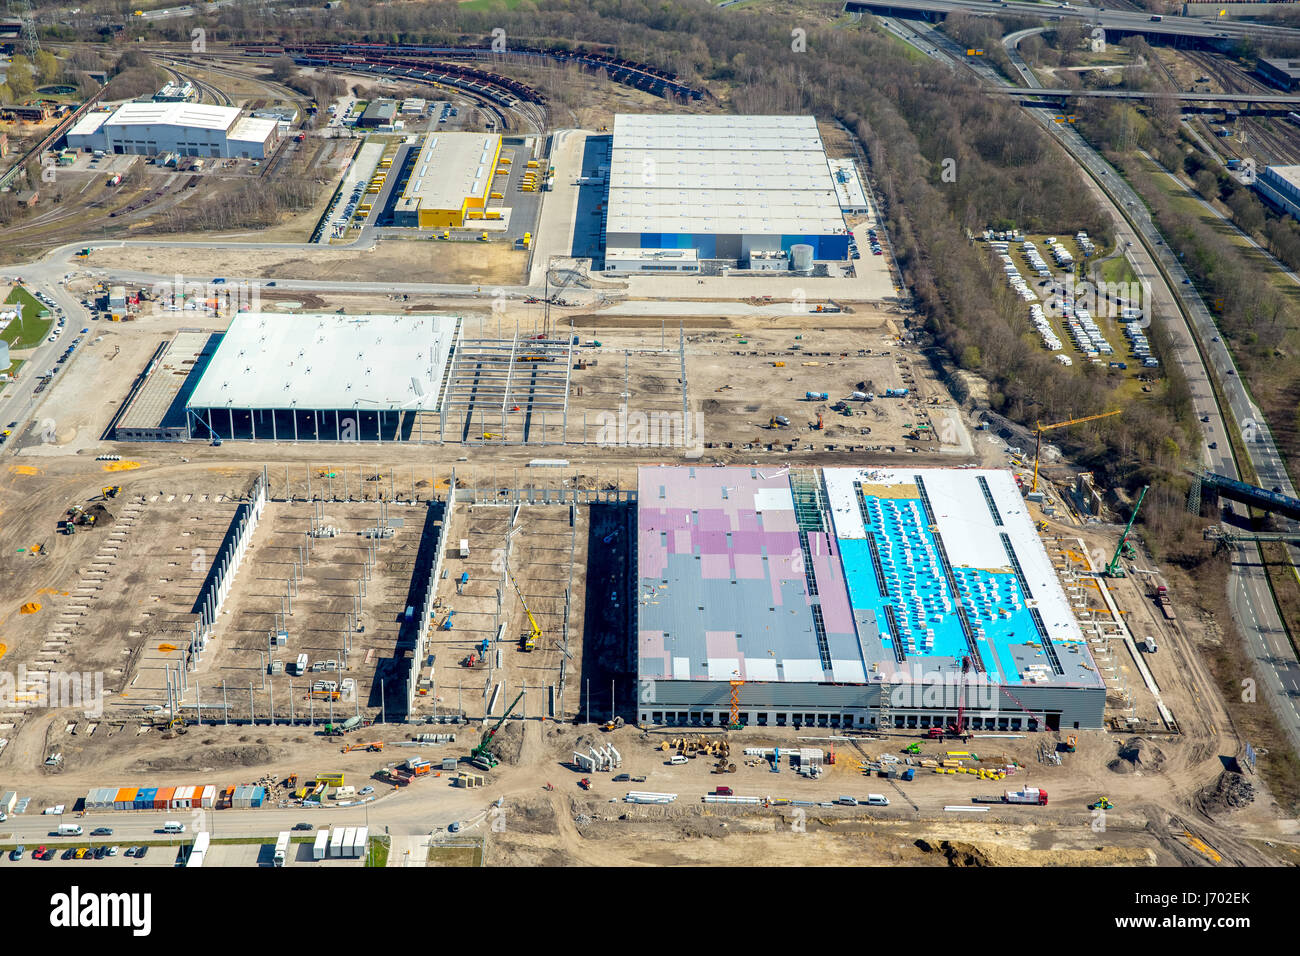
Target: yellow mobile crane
(527,642)
(1039,429)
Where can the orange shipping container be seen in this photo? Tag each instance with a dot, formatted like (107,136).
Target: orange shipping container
(125,797)
(163,799)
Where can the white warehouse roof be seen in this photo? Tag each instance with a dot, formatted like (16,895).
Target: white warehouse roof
(252,130)
(721,174)
(370,362)
(175,114)
(89,124)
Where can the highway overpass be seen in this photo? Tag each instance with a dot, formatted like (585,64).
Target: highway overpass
(1171,28)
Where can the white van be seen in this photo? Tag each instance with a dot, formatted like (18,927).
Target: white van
(69,829)
(877,800)
(172,826)
(677,758)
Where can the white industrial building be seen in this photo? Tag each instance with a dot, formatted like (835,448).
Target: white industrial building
(323,378)
(726,187)
(189,129)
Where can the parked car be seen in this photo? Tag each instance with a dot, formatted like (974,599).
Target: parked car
(17,852)
(140,852)
(69,853)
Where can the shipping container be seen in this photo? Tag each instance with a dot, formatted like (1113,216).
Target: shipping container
(8,801)
(359,842)
(125,798)
(208,798)
(163,798)
(321,846)
(144,799)
(336,842)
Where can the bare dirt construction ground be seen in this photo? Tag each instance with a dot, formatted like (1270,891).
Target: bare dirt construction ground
(393,260)
(538,560)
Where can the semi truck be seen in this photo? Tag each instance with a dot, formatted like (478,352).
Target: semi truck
(281,848)
(1031,796)
(1160,591)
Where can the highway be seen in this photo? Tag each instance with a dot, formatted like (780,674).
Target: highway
(1249,593)
(1278,99)
(1120,21)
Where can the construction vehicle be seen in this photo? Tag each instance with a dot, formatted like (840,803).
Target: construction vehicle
(482,756)
(585,783)
(1114,569)
(1102,804)
(527,642)
(1039,429)
(1160,592)
(110,492)
(913,748)
(1071,743)
(614,724)
(778,421)
(473,660)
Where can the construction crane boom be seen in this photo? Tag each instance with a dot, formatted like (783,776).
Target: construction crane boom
(535,632)
(481,756)
(1039,429)
(1115,569)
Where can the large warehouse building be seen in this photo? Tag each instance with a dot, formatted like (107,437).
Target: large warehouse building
(1279,186)
(189,129)
(732,188)
(450,180)
(323,378)
(853,598)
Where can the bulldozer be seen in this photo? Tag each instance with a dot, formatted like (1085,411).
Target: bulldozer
(1102,803)
(614,724)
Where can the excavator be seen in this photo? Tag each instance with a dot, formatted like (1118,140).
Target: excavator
(482,756)
(527,642)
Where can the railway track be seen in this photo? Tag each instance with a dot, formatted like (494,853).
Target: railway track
(1274,142)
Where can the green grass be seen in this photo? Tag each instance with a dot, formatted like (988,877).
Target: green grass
(33,329)
(377,855)
(1117,270)
(15,365)
(456,855)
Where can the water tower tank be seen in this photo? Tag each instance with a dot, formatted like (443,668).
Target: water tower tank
(801,257)
(4,357)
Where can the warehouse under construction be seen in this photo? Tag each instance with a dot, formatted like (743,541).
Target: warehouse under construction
(863,598)
(324,378)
